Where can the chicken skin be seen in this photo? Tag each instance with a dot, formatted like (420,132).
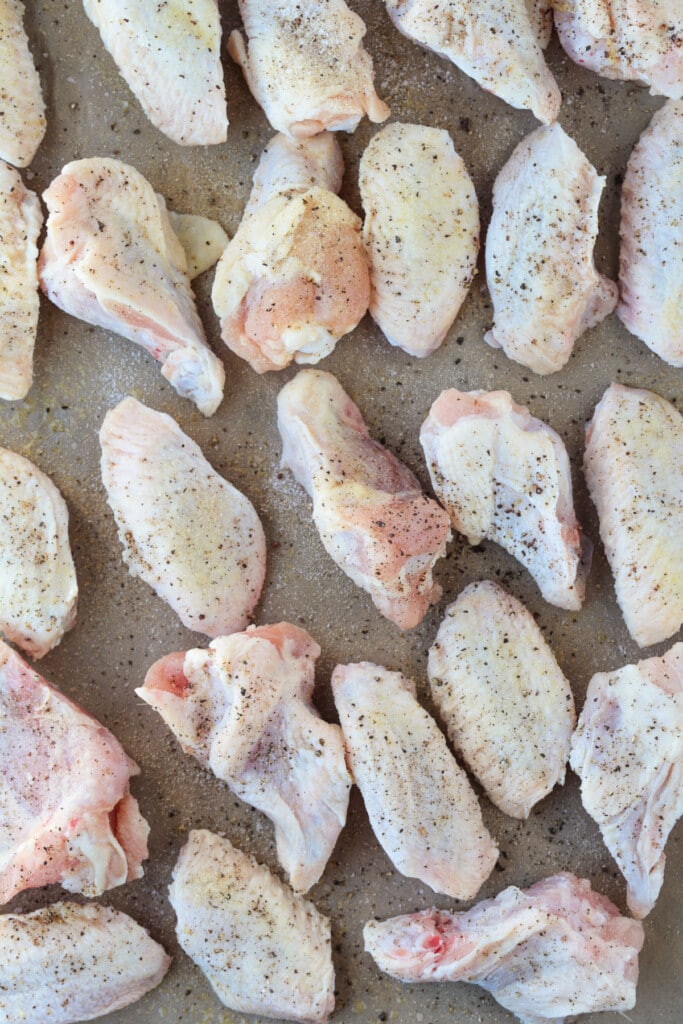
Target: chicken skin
(112,259)
(504,475)
(421,231)
(187,532)
(22,110)
(306,66)
(373,517)
(540,272)
(243,708)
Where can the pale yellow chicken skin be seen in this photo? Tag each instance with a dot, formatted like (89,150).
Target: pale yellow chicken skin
(22,110)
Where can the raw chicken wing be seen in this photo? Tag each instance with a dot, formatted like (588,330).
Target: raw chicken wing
(373,517)
(38,588)
(67,963)
(22,111)
(244,709)
(306,65)
(170,56)
(651,255)
(187,532)
(295,277)
(420,803)
(203,240)
(421,232)
(264,949)
(20,223)
(540,272)
(628,751)
(504,475)
(66,813)
(545,953)
(634,470)
(508,708)
(495,42)
(111,258)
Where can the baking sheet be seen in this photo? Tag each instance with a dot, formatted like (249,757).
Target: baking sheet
(122,626)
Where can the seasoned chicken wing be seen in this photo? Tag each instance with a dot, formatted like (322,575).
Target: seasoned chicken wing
(634,468)
(507,706)
(495,42)
(421,805)
(421,232)
(264,949)
(66,813)
(651,255)
(170,56)
(295,277)
(305,64)
(540,272)
(22,111)
(68,962)
(628,751)
(545,953)
(243,708)
(187,532)
(112,259)
(373,517)
(503,474)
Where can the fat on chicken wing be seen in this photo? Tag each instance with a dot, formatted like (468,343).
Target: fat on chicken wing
(504,475)
(634,468)
(545,953)
(628,752)
(20,223)
(373,517)
(243,708)
(264,949)
(68,962)
(540,272)
(635,40)
(306,66)
(38,588)
(112,259)
(170,56)
(187,532)
(651,255)
(421,805)
(295,277)
(203,240)
(22,110)
(421,232)
(66,813)
(508,708)
(495,42)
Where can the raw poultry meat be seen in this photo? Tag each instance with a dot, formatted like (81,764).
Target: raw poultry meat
(243,708)
(305,64)
(203,240)
(66,813)
(22,111)
(373,517)
(635,40)
(38,588)
(548,952)
(504,475)
(540,272)
(264,949)
(421,805)
(651,254)
(508,708)
(112,259)
(495,42)
(295,277)
(20,223)
(628,751)
(170,56)
(634,470)
(187,532)
(421,231)
(67,963)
